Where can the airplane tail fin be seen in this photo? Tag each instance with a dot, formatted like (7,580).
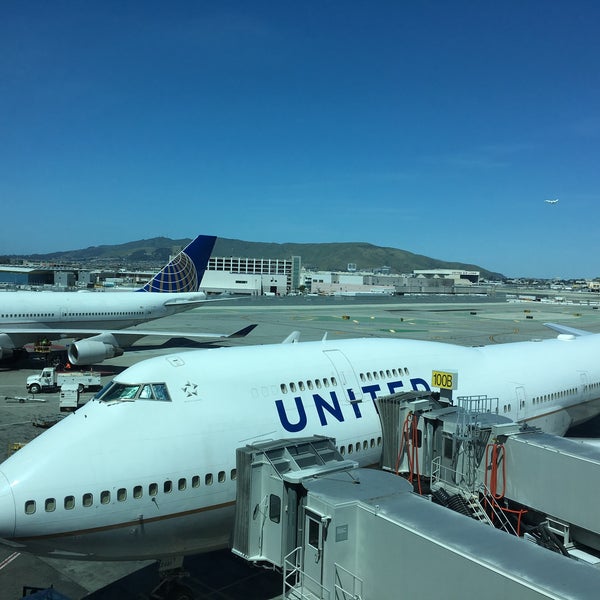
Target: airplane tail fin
(184,272)
(293,338)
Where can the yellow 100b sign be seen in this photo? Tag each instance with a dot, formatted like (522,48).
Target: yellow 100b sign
(447,380)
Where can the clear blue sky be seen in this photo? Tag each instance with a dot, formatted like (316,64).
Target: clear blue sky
(435,127)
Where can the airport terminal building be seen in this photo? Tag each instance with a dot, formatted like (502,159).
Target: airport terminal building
(252,276)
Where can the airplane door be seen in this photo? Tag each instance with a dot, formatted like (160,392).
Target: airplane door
(521,402)
(585,387)
(313,553)
(346,375)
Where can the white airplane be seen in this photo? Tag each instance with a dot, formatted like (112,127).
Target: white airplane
(147,469)
(555,201)
(96,320)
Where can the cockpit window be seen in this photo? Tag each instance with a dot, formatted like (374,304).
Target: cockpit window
(161,392)
(146,393)
(121,392)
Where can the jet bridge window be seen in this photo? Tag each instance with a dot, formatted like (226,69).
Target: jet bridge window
(274,508)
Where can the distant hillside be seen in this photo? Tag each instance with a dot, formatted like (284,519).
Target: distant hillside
(327,257)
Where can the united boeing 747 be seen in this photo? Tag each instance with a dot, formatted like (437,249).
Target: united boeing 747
(147,469)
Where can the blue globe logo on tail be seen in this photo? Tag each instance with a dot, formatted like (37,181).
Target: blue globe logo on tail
(184,273)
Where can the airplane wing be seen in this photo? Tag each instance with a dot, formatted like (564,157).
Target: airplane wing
(567,330)
(198,301)
(93,345)
(126,334)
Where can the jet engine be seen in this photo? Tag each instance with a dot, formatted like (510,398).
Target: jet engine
(89,352)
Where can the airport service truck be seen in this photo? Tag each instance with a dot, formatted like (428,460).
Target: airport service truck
(51,380)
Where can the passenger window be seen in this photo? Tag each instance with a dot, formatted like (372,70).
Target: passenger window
(182,484)
(87,500)
(137,491)
(333,381)
(309,383)
(195,481)
(221,476)
(292,387)
(50,505)
(69,502)
(301,385)
(233,474)
(168,487)
(121,494)
(105,497)
(283,388)
(29,507)
(208,479)
(318,383)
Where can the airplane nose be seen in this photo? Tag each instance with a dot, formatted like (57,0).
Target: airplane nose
(7,509)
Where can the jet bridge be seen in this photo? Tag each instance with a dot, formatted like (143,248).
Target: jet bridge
(337,531)
(469,458)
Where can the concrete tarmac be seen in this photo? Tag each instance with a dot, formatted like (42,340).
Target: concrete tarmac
(467,320)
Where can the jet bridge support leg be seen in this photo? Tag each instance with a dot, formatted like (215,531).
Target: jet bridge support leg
(171,573)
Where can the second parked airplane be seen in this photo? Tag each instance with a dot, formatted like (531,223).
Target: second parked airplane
(97,321)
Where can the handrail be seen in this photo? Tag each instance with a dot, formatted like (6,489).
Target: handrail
(347,594)
(498,511)
(297,570)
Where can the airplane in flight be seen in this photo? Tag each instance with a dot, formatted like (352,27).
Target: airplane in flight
(97,321)
(147,469)
(555,201)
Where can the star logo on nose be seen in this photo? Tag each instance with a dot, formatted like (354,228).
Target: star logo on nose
(190,389)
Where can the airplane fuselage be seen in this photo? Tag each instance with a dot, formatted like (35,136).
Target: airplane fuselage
(70,310)
(147,469)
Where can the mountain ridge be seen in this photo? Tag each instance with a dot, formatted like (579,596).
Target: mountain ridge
(331,256)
